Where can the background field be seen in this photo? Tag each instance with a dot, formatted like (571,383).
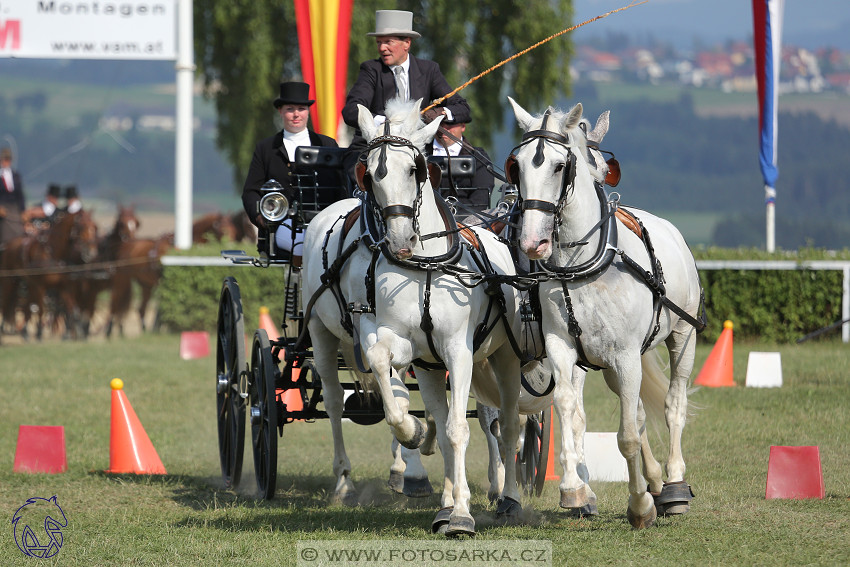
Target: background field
(185,518)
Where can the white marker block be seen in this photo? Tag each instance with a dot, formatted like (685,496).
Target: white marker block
(764,370)
(604,461)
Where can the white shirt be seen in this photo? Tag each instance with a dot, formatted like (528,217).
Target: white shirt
(292,141)
(7,177)
(439,150)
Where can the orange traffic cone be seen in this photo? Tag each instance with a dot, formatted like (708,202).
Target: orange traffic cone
(717,370)
(130,449)
(267,324)
(550,462)
(292,398)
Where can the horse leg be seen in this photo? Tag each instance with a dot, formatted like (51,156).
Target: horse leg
(506,366)
(407,429)
(579,428)
(407,475)
(432,387)
(575,492)
(488,419)
(676,494)
(143,304)
(325,348)
(429,444)
(626,373)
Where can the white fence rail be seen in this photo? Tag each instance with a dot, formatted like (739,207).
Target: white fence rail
(702,265)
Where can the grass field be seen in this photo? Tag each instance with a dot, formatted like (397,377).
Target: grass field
(185,518)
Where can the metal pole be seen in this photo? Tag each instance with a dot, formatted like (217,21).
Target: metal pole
(183,147)
(845,306)
(770,214)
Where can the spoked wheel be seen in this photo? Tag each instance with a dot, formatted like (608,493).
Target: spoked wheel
(263,404)
(532,459)
(230,387)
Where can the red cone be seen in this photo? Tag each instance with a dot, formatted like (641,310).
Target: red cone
(130,449)
(717,370)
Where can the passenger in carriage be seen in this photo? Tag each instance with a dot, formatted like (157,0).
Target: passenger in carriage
(472,192)
(73,204)
(39,217)
(274,157)
(396,73)
(12,201)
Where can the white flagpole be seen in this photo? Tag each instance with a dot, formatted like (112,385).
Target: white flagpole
(183,148)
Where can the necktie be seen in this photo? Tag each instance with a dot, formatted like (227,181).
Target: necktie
(401,83)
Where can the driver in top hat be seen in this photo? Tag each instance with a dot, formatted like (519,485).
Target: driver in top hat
(379,80)
(274,157)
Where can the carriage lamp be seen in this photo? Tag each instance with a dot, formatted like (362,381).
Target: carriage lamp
(274,207)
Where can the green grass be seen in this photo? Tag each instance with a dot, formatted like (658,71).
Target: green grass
(185,518)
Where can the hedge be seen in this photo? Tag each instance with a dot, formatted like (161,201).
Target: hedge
(765,306)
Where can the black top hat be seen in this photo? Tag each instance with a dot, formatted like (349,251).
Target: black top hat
(71,192)
(54,190)
(293,93)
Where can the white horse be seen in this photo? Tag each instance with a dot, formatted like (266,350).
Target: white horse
(414,300)
(605,300)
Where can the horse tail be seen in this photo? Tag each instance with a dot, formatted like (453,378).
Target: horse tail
(653,386)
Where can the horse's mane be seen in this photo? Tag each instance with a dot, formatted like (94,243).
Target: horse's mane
(404,117)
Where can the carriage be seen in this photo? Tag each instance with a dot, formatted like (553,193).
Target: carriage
(274,382)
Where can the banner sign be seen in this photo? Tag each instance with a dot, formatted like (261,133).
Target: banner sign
(88,29)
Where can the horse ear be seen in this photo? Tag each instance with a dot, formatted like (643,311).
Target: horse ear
(366,122)
(426,134)
(600,129)
(523,118)
(573,118)
(411,123)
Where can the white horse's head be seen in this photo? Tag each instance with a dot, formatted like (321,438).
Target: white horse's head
(553,155)
(394,171)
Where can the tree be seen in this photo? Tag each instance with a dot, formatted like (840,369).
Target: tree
(242,48)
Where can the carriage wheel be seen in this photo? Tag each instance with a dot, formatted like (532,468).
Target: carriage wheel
(263,404)
(230,368)
(532,459)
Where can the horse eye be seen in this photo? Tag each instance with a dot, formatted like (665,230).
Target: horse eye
(412,171)
(559,168)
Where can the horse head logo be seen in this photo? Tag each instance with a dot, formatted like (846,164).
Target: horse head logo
(38,527)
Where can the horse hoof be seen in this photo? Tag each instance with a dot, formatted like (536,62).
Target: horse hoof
(509,511)
(575,498)
(643,521)
(460,526)
(396,482)
(674,498)
(587,511)
(417,488)
(493,496)
(441,520)
(418,435)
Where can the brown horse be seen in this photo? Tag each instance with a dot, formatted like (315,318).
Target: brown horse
(109,247)
(50,261)
(138,260)
(245,230)
(217,226)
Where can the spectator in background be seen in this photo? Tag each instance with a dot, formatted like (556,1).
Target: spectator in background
(73,204)
(12,200)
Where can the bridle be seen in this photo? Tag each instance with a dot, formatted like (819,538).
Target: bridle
(420,164)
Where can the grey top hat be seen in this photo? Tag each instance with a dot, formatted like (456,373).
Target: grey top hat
(394,22)
(293,92)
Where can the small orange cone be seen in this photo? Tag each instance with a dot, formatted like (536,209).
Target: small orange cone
(267,324)
(130,449)
(550,463)
(292,397)
(717,370)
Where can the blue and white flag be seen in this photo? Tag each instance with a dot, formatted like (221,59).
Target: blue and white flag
(767,37)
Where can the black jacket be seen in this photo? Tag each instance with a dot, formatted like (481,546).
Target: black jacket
(270,161)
